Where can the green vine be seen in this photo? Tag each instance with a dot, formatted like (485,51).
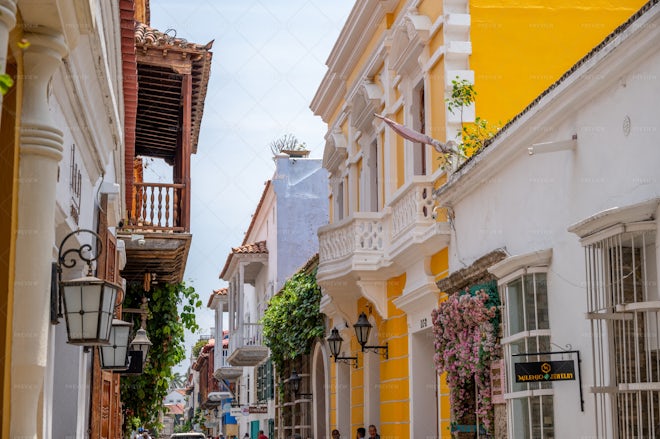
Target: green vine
(473,135)
(143,394)
(6,82)
(197,347)
(292,320)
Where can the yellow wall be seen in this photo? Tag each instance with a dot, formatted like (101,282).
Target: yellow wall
(436,111)
(8,206)
(430,8)
(399,153)
(519,47)
(394,375)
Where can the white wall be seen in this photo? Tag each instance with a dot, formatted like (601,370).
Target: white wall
(532,200)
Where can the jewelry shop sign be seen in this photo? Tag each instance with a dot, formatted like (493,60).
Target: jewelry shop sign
(545,371)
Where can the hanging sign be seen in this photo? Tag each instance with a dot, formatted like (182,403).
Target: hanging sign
(258,409)
(545,371)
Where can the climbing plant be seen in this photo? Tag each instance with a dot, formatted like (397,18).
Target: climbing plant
(292,320)
(143,394)
(465,330)
(473,135)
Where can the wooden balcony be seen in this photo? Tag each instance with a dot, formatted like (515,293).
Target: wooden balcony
(159,207)
(156,234)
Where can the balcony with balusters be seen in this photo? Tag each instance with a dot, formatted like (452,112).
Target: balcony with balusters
(156,232)
(246,346)
(369,242)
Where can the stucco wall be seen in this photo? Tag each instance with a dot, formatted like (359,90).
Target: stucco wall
(530,201)
(301,188)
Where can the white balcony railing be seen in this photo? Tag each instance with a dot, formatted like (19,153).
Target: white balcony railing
(412,207)
(364,232)
(251,335)
(367,238)
(246,347)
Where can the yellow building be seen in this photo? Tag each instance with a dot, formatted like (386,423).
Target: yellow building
(386,244)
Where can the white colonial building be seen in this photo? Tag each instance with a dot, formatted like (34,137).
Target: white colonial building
(569,191)
(280,239)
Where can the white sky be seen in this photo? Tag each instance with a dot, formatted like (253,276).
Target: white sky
(268,60)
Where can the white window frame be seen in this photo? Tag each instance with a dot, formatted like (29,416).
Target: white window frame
(508,271)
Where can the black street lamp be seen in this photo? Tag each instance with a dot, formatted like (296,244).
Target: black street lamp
(362,329)
(88,303)
(334,342)
(295,380)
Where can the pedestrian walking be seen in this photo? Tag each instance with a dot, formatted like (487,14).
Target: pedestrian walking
(335,434)
(361,433)
(262,435)
(373,433)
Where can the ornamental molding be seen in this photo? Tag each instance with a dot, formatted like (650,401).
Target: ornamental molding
(375,290)
(644,211)
(476,273)
(507,266)
(335,151)
(408,41)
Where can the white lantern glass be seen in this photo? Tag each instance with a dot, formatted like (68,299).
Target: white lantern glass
(115,355)
(88,309)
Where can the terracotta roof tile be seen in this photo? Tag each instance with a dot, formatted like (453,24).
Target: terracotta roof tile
(253,248)
(218,292)
(256,247)
(148,36)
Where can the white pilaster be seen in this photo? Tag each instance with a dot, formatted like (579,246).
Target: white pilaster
(40,151)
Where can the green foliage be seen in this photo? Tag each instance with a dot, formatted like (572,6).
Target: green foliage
(197,348)
(474,135)
(143,394)
(462,95)
(292,320)
(6,82)
(197,419)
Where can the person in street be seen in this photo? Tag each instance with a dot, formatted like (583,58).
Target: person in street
(373,433)
(262,435)
(361,433)
(335,434)
(247,436)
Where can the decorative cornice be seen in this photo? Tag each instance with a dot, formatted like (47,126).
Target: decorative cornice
(643,211)
(335,150)
(476,273)
(540,258)
(424,297)
(360,28)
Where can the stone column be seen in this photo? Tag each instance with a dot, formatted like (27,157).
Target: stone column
(41,146)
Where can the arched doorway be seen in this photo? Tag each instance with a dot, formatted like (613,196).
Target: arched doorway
(320,380)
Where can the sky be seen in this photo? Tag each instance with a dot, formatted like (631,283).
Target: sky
(268,61)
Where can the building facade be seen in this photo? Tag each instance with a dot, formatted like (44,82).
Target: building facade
(388,240)
(62,148)
(279,240)
(569,194)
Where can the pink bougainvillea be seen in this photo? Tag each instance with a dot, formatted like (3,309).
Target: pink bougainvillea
(465,345)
